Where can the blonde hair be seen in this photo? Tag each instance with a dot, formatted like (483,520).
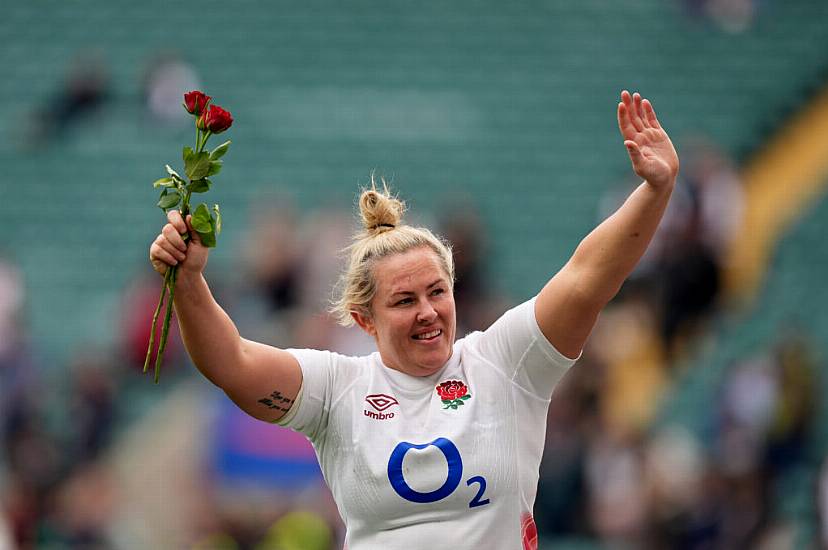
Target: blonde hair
(383,234)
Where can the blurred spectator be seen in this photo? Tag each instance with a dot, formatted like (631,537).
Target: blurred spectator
(682,512)
(324,236)
(12,297)
(682,269)
(82,510)
(91,406)
(18,375)
(616,492)
(766,409)
(268,292)
(275,256)
(733,16)
(166,79)
(476,303)
(573,416)
(85,88)
(627,341)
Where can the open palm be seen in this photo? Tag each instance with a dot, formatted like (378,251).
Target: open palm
(651,152)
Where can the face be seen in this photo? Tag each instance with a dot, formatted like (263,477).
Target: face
(412,314)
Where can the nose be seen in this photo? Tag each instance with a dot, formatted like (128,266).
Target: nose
(426,314)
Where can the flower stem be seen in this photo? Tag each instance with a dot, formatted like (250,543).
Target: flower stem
(203,143)
(155,320)
(165,331)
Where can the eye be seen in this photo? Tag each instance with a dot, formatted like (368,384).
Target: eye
(437,291)
(404,301)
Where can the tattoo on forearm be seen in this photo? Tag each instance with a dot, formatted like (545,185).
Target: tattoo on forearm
(276,401)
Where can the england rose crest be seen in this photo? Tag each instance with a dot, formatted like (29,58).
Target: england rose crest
(453,393)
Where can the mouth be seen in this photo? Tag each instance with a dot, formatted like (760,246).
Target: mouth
(428,336)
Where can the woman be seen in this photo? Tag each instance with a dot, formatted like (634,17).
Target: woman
(429,439)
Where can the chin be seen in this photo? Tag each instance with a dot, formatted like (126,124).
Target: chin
(433,364)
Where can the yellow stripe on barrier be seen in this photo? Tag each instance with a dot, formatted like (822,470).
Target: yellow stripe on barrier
(785,176)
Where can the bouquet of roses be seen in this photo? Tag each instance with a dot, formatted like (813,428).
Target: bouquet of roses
(176,191)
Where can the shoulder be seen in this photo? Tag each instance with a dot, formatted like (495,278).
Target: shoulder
(321,359)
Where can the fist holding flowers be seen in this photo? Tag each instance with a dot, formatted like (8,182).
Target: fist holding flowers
(176,192)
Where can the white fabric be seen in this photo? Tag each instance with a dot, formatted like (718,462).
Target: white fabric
(510,371)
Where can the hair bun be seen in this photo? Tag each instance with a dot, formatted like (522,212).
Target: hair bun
(380,211)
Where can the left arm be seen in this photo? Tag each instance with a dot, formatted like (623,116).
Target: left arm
(568,306)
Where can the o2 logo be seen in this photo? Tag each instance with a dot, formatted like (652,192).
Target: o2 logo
(455,474)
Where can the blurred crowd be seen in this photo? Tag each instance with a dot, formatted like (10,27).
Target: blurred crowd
(82,455)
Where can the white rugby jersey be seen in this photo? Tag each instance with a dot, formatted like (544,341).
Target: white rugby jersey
(445,461)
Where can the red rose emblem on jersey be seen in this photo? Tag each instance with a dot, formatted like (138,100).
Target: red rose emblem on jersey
(453,393)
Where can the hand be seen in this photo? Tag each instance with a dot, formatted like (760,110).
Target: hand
(169,248)
(652,153)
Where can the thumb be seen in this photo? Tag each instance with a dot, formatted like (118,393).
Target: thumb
(636,156)
(633,150)
(193,233)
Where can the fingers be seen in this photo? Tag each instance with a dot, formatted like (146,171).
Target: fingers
(159,253)
(624,122)
(169,247)
(171,251)
(650,113)
(632,111)
(174,217)
(173,237)
(639,110)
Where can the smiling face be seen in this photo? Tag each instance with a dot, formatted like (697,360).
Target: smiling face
(412,314)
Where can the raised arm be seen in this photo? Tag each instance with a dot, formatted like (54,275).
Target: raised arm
(262,380)
(569,304)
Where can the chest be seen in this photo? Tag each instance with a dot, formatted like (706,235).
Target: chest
(440,452)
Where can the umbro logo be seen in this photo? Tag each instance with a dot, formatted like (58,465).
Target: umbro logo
(380,402)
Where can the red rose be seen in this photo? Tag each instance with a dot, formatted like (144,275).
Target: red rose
(215,120)
(195,102)
(451,390)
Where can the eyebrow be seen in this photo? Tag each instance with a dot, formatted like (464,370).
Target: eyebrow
(408,292)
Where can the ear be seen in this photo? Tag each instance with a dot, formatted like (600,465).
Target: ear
(365,321)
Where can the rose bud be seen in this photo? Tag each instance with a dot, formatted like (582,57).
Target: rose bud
(216,120)
(195,102)
(201,122)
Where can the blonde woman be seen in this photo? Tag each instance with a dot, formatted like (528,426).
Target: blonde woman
(430,438)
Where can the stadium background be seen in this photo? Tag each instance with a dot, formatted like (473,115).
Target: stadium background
(500,117)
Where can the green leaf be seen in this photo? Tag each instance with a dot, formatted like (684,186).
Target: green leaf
(163,182)
(219,151)
(168,199)
(465,396)
(208,239)
(459,402)
(187,154)
(215,167)
(454,407)
(199,186)
(446,401)
(201,220)
(197,166)
(217,226)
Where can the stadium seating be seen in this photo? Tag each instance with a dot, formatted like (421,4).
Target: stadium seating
(510,104)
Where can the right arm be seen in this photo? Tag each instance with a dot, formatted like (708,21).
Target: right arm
(262,380)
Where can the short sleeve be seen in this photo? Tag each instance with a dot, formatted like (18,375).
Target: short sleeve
(515,345)
(313,406)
